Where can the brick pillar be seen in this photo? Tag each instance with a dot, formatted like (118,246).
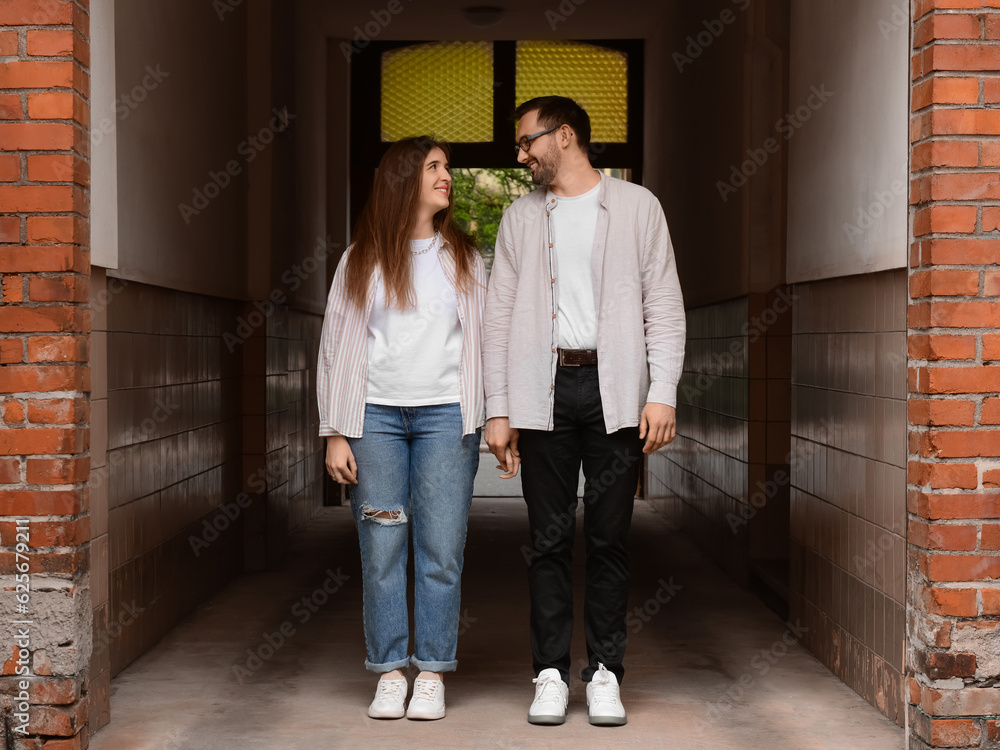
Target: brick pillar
(44,380)
(953,623)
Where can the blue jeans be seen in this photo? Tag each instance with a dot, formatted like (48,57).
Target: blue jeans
(415,470)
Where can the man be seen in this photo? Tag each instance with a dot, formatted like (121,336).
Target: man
(583,348)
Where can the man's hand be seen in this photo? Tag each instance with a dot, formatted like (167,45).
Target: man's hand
(502,441)
(658,425)
(340,463)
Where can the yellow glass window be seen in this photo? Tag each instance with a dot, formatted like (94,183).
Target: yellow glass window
(443,89)
(595,77)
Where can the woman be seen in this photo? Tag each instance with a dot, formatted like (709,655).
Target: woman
(401,400)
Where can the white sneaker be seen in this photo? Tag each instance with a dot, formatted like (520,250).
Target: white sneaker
(551,698)
(604,704)
(427,702)
(389,698)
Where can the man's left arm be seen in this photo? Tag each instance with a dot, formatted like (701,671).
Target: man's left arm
(664,324)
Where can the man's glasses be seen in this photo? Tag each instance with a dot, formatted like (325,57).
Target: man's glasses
(525,143)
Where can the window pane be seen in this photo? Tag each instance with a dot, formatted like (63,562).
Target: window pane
(595,77)
(444,89)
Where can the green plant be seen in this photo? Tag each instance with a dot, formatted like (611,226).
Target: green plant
(481,197)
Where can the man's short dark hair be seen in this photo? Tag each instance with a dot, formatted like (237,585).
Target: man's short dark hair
(554,111)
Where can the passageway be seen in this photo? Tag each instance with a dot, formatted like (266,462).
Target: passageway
(708,665)
(206,466)
(179,181)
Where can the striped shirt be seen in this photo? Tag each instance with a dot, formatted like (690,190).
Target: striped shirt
(342,370)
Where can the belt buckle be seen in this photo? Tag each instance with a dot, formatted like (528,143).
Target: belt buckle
(562,359)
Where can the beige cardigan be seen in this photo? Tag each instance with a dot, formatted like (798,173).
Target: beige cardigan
(640,310)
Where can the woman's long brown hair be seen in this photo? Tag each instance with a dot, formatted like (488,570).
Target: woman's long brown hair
(382,236)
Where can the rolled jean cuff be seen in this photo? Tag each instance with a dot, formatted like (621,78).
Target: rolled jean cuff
(387,667)
(433,666)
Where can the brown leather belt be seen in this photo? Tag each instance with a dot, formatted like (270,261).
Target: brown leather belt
(577,357)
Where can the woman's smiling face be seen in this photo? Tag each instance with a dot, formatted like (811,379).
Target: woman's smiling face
(435,183)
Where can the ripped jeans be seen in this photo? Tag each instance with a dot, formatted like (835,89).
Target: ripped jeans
(415,470)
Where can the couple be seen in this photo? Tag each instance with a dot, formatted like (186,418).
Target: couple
(573,353)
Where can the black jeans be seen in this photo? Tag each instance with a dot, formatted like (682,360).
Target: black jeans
(550,465)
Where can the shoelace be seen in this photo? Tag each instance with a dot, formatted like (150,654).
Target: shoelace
(391,689)
(605,692)
(549,689)
(425,689)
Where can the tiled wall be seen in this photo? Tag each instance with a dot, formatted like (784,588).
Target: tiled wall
(769,343)
(283,457)
(173,458)
(700,480)
(179,394)
(848,479)
(306,450)
(99,680)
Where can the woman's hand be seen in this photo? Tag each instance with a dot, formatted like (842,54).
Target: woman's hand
(501,439)
(340,463)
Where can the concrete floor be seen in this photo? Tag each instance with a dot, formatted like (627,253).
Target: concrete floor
(707,669)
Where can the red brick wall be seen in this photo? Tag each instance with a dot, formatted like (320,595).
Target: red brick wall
(44,325)
(954,319)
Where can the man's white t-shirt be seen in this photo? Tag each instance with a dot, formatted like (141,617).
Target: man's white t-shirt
(574,224)
(414,354)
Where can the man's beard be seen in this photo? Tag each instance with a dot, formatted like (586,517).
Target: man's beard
(543,175)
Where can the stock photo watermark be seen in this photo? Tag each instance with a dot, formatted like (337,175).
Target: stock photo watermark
(163,409)
(223,8)
(127,103)
(898,19)
(116,626)
(412,162)
(175,739)
(767,490)
(786,127)
(102,299)
(642,614)
(122,107)
(562,13)
(714,28)
(753,329)
(250,148)
(21,624)
(465,621)
(875,210)
(874,551)
(292,278)
(562,522)
(545,538)
(363,36)
(760,664)
(637,618)
(227,513)
(301,612)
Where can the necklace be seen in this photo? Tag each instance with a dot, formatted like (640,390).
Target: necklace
(434,241)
